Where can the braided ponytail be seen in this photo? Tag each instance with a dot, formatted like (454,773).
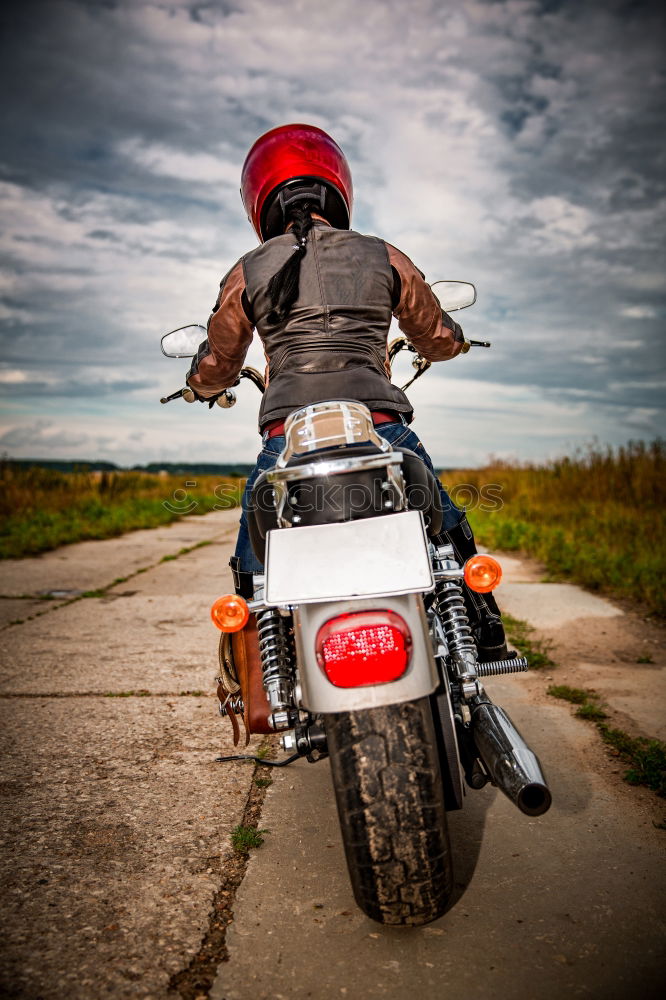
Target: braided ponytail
(283,286)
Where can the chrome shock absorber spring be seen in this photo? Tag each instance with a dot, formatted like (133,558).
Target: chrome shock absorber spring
(452,614)
(277,658)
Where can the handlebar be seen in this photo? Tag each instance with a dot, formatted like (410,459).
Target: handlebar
(255,377)
(401,343)
(419,363)
(174,395)
(227,398)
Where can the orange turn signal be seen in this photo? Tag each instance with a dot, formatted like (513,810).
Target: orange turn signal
(230,613)
(482,574)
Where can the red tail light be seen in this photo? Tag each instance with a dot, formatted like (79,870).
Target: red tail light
(365,647)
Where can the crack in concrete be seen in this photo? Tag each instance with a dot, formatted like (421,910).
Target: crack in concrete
(195,980)
(104,591)
(106,694)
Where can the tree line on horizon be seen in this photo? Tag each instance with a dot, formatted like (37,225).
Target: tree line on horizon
(235,470)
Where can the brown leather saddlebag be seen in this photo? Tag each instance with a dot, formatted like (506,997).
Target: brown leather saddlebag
(245,646)
(240,668)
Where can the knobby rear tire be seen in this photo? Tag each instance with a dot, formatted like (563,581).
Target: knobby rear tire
(390,801)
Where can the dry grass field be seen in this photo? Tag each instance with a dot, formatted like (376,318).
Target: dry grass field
(597,518)
(42,508)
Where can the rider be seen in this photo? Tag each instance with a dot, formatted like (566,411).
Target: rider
(321,297)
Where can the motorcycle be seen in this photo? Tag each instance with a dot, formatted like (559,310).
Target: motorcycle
(366,653)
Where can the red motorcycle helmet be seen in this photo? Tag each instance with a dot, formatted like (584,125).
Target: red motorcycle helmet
(290,163)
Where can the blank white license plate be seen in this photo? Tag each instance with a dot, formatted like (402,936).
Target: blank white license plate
(377,556)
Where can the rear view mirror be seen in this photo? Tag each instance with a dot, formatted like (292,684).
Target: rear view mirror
(184,341)
(455,295)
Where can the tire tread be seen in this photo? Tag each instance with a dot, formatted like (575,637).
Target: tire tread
(390,800)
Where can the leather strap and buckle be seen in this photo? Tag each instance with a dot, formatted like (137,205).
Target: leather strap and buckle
(240,686)
(247,660)
(229,690)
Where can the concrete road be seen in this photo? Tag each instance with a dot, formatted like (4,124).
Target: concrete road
(567,905)
(115,820)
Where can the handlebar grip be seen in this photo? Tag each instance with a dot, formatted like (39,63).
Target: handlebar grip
(178,394)
(227,399)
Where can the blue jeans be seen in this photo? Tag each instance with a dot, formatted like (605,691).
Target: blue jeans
(397,434)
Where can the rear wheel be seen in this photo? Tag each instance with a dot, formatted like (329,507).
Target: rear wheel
(391,805)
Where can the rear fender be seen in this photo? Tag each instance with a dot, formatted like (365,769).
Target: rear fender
(318,694)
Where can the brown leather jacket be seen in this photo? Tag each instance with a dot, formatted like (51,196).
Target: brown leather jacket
(333,343)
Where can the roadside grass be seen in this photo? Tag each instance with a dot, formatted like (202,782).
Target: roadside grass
(645,758)
(586,701)
(140,693)
(244,838)
(521,635)
(186,550)
(41,509)
(597,518)
(197,978)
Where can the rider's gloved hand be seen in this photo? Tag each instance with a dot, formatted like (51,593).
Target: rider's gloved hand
(202,351)
(457,332)
(211,400)
(193,396)
(190,395)
(455,328)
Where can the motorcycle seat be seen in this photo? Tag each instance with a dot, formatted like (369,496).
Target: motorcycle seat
(343,497)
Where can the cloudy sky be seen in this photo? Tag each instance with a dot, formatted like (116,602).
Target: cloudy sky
(518,144)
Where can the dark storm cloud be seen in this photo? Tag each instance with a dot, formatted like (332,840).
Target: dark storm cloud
(515,143)
(74,388)
(83,76)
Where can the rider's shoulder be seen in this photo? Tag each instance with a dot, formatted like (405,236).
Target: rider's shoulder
(267,247)
(400,260)
(367,239)
(395,253)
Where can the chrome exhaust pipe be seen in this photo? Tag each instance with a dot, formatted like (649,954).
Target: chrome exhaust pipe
(512,766)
